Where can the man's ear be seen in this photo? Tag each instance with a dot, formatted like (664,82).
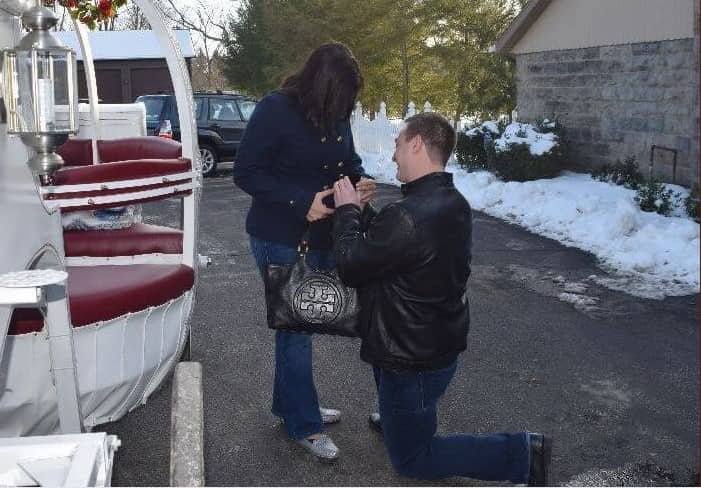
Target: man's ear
(416,143)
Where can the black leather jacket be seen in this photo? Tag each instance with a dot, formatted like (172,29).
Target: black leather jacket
(410,263)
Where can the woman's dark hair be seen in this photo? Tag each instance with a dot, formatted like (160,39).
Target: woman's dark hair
(327,86)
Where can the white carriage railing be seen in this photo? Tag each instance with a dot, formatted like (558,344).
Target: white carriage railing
(377,135)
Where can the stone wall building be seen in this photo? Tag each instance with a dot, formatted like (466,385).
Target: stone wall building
(621,75)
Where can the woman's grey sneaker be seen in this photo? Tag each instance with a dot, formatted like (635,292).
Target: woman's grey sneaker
(330,415)
(321,447)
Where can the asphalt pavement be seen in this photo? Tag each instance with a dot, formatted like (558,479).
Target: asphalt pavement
(614,378)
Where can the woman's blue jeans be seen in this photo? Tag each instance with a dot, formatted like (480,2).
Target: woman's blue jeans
(408,412)
(294,394)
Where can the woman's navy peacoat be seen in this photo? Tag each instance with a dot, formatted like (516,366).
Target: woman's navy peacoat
(282,162)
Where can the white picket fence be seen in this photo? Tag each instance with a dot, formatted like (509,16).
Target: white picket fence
(378,135)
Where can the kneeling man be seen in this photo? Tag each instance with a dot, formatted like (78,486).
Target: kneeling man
(410,263)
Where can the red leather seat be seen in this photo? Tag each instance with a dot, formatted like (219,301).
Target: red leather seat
(98,293)
(78,152)
(119,171)
(165,171)
(132,241)
(147,147)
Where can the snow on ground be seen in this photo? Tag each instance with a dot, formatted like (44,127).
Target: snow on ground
(651,256)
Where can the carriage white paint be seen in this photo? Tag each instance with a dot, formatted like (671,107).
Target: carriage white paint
(71,381)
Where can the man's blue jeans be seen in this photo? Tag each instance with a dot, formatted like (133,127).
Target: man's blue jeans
(294,393)
(408,412)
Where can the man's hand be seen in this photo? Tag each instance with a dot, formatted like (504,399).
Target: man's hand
(318,210)
(366,191)
(344,193)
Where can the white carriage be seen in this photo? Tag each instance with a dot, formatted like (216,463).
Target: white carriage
(86,347)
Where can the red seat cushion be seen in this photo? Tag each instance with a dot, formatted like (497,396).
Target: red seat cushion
(147,147)
(164,170)
(76,152)
(98,293)
(134,240)
(119,171)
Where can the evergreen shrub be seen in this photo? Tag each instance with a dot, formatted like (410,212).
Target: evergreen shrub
(513,159)
(470,149)
(624,173)
(518,164)
(691,203)
(654,196)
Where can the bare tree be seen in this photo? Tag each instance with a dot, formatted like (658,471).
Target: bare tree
(207,73)
(133,19)
(206,18)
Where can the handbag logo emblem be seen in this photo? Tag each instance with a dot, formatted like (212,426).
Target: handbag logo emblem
(317,301)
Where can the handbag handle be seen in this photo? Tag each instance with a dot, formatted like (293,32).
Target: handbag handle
(303,246)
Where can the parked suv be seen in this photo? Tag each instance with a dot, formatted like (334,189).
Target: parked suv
(221,120)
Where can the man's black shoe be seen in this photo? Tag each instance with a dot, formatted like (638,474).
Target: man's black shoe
(541,452)
(375,422)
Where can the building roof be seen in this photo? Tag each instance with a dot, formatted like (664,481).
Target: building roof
(121,45)
(523,21)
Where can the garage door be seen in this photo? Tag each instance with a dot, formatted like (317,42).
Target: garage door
(109,85)
(149,81)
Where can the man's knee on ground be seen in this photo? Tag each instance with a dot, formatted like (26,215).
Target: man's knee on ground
(413,467)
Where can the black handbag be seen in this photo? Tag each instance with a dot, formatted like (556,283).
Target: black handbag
(301,299)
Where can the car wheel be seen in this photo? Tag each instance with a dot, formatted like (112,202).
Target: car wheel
(208,158)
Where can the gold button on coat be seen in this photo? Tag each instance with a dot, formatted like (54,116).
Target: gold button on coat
(326,166)
(292,202)
(323,139)
(340,165)
(339,138)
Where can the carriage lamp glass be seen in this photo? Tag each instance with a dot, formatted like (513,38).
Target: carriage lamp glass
(40,90)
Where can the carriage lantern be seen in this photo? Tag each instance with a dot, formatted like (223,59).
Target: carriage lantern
(40,91)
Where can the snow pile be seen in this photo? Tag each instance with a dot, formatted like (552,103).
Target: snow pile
(654,256)
(381,167)
(538,143)
(489,126)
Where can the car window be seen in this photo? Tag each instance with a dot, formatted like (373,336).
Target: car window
(174,115)
(224,110)
(154,107)
(198,109)
(247,107)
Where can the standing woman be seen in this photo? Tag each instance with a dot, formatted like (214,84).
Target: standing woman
(298,142)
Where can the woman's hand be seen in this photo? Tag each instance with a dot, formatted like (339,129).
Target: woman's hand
(366,191)
(344,193)
(318,210)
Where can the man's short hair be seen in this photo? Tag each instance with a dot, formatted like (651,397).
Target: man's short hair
(436,133)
